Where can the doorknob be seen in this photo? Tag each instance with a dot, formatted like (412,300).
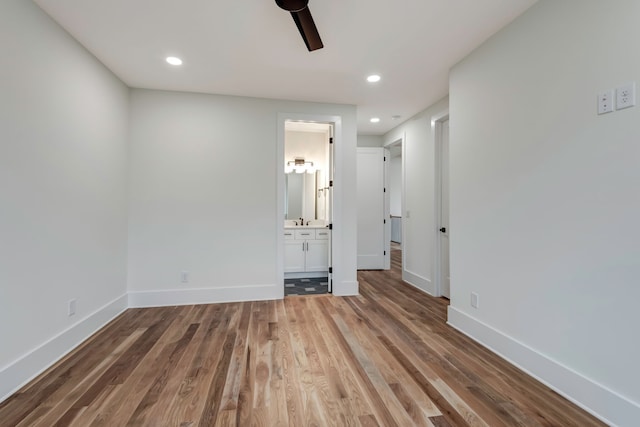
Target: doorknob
(443,230)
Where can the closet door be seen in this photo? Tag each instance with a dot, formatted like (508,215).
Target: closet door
(371,209)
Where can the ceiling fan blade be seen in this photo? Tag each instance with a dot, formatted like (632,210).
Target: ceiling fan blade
(307,28)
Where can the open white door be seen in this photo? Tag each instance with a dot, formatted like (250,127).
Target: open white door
(371,209)
(444,210)
(330,201)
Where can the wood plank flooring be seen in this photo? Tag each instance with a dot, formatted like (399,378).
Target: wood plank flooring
(384,358)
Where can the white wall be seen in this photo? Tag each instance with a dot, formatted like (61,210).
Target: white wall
(203,197)
(545,201)
(370,140)
(312,146)
(419,227)
(63,124)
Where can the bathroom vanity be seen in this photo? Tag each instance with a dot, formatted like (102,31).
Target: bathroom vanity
(306,251)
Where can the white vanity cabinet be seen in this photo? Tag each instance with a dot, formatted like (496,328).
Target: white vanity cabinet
(306,250)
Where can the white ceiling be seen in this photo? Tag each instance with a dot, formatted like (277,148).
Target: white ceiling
(253,48)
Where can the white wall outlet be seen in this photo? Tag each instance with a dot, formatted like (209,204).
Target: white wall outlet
(72,307)
(184,277)
(475,300)
(605,102)
(626,96)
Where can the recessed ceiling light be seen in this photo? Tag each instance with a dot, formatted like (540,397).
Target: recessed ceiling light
(374,119)
(174,61)
(395,117)
(373,78)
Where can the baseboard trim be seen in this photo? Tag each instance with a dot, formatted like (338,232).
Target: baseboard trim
(17,374)
(417,281)
(600,401)
(346,289)
(171,297)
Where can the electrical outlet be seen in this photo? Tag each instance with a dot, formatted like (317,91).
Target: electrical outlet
(184,277)
(605,102)
(626,96)
(475,300)
(72,307)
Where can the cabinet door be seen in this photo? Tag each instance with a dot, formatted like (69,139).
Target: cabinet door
(294,256)
(317,255)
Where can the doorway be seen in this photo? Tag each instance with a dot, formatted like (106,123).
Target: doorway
(308,207)
(394,184)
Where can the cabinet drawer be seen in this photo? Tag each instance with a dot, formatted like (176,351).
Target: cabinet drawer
(305,234)
(322,233)
(289,235)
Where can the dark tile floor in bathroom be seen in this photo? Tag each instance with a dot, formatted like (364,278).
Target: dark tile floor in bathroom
(312,286)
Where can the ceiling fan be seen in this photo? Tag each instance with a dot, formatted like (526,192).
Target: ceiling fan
(299,10)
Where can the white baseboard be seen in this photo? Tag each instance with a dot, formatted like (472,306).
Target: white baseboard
(419,282)
(204,296)
(346,289)
(600,401)
(17,374)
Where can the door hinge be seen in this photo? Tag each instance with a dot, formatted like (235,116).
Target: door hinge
(385,252)
(385,158)
(384,190)
(384,221)
(330,226)
(330,270)
(331,140)
(330,183)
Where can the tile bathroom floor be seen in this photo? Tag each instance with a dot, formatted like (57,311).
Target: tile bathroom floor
(311,286)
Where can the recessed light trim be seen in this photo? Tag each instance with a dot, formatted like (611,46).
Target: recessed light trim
(374,119)
(174,60)
(373,78)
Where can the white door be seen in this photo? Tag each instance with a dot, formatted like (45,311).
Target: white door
(371,209)
(444,210)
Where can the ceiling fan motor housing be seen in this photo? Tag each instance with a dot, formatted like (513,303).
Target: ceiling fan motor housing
(292,5)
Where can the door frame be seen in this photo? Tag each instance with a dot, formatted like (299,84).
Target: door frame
(387,210)
(401,141)
(436,132)
(336,220)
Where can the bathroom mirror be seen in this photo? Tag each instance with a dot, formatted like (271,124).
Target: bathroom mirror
(300,196)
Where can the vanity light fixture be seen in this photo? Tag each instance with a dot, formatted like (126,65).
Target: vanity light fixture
(299,165)
(374,78)
(174,61)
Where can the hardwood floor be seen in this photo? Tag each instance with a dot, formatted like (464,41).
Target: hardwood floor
(383,358)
